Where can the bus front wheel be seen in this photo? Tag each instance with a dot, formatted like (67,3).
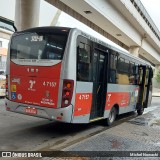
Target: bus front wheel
(112,116)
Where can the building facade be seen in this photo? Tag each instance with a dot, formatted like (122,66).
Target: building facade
(3,53)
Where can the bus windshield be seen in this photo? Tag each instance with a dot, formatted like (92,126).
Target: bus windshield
(38,46)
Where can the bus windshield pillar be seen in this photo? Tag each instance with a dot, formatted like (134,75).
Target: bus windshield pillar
(134,50)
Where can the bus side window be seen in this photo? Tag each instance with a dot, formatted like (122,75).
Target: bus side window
(123,71)
(112,76)
(131,73)
(112,69)
(83,63)
(140,76)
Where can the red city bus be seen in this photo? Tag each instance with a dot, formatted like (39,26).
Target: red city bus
(67,75)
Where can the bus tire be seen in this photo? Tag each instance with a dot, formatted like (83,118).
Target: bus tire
(140,111)
(112,116)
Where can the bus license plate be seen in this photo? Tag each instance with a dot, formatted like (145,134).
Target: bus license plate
(31,110)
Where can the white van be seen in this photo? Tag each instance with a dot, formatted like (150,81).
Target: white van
(2,85)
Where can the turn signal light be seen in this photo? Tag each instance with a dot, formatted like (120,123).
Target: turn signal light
(68,85)
(67,92)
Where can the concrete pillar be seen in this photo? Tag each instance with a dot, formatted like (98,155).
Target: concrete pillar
(134,50)
(27,14)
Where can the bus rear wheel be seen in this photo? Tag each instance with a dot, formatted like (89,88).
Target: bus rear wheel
(112,116)
(140,111)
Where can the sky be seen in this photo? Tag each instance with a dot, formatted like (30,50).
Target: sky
(153,8)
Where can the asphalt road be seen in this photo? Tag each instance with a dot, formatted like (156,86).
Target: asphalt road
(25,133)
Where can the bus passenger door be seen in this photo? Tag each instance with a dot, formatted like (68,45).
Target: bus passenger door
(145,86)
(99,63)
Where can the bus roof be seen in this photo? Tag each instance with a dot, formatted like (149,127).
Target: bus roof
(46,29)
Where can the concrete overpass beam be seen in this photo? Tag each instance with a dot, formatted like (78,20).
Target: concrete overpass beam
(26,14)
(134,50)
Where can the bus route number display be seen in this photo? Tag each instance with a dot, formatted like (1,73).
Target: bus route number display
(36,38)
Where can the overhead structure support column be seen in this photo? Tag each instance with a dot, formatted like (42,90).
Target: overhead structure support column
(27,14)
(134,50)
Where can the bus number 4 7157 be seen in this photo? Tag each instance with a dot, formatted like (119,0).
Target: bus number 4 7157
(84,96)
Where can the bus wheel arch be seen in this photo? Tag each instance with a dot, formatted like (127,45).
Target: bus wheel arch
(116,106)
(112,115)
